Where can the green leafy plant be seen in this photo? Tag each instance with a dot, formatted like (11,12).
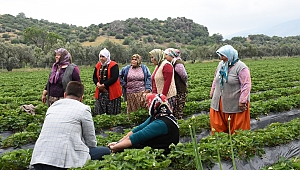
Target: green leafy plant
(231,145)
(195,146)
(216,135)
(285,164)
(16,160)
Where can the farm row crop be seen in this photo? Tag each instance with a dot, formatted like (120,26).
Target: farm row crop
(275,88)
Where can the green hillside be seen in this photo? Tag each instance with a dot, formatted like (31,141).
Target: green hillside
(173,30)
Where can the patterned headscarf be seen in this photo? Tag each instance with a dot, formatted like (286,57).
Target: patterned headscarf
(138,59)
(229,52)
(172,52)
(159,107)
(105,53)
(158,103)
(178,54)
(65,59)
(158,55)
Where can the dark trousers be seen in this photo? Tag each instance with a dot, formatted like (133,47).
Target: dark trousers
(95,153)
(47,167)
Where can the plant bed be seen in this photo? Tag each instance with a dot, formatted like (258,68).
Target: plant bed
(274,98)
(247,144)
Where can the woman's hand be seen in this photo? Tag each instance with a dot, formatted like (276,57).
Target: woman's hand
(100,86)
(243,106)
(44,98)
(211,93)
(111,146)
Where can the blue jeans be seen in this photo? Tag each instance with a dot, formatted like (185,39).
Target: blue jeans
(98,152)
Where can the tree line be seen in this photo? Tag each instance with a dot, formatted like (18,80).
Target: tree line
(37,40)
(20,55)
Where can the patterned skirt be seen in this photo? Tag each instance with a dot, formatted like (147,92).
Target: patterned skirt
(172,102)
(179,105)
(51,100)
(136,101)
(104,105)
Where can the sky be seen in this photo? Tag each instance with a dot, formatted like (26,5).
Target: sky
(219,16)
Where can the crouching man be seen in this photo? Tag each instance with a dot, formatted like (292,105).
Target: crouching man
(68,135)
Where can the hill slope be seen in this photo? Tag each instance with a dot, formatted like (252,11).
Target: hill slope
(178,30)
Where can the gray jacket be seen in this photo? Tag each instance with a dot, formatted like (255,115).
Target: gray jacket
(67,134)
(231,92)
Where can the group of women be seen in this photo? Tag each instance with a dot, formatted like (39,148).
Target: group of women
(230,90)
(163,92)
(166,79)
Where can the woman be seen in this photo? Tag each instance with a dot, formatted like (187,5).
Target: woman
(180,76)
(136,83)
(62,72)
(108,89)
(147,134)
(230,93)
(163,76)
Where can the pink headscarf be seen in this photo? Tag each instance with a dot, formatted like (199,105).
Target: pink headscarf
(65,59)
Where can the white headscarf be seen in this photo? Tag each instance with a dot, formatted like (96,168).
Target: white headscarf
(106,54)
(173,53)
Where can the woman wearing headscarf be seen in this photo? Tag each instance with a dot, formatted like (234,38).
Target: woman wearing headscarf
(108,89)
(163,76)
(136,83)
(159,131)
(180,76)
(62,72)
(230,93)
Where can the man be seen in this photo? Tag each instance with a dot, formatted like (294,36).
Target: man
(68,136)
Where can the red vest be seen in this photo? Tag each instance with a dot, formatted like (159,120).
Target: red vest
(115,90)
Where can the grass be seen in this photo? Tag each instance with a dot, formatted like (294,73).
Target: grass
(101,39)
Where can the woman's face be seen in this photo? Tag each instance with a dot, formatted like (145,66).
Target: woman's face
(153,60)
(222,57)
(57,57)
(169,58)
(102,59)
(134,62)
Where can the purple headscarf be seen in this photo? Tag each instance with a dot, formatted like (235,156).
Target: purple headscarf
(65,59)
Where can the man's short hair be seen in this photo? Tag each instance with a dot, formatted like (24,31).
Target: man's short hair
(75,88)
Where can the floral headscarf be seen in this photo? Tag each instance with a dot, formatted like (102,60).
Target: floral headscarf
(172,52)
(158,55)
(229,52)
(106,54)
(138,59)
(65,59)
(159,107)
(178,54)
